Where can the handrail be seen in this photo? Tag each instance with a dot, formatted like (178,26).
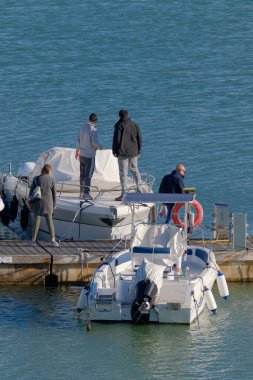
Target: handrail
(148,180)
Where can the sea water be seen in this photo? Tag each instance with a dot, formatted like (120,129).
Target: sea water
(43,337)
(183,69)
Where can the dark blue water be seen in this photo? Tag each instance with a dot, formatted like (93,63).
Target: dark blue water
(184,72)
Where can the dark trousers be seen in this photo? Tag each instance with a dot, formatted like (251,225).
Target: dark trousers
(169,209)
(87,166)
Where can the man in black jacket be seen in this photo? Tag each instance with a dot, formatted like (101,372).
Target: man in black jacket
(173,183)
(126,146)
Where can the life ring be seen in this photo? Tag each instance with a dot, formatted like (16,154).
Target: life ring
(198,216)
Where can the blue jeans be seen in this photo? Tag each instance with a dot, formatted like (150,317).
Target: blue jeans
(87,166)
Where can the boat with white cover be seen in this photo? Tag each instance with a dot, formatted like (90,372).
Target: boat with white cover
(159,279)
(74,218)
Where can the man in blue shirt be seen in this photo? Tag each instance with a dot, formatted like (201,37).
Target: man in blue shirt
(173,183)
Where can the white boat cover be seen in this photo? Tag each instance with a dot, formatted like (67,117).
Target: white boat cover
(26,169)
(163,236)
(147,270)
(67,169)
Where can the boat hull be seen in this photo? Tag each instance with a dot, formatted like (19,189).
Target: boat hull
(181,300)
(80,220)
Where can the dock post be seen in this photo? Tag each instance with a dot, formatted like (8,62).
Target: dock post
(51,280)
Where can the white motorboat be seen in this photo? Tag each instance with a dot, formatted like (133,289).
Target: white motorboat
(159,279)
(75,218)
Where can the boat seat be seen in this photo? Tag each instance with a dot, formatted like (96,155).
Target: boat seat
(155,250)
(157,255)
(200,253)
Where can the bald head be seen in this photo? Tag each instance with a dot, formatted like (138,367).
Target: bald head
(181,169)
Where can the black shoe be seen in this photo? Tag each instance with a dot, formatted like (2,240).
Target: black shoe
(119,198)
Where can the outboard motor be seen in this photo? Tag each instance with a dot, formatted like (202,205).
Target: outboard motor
(146,292)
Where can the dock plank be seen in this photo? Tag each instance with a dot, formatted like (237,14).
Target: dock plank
(21,263)
(23,248)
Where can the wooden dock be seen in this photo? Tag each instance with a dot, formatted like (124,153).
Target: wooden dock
(75,262)
(236,264)
(72,262)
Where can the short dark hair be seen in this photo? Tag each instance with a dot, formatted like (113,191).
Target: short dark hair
(93,117)
(46,169)
(123,114)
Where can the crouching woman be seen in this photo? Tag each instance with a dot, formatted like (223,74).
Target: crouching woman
(45,205)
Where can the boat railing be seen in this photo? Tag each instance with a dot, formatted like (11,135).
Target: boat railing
(73,187)
(147,179)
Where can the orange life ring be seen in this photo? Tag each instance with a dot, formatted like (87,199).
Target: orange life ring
(198,216)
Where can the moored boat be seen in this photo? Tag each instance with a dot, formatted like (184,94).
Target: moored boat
(80,219)
(160,279)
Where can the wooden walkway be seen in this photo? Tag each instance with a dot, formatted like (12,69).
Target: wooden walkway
(236,264)
(22,252)
(72,262)
(224,251)
(75,261)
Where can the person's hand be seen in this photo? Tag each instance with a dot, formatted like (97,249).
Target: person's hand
(77,155)
(29,205)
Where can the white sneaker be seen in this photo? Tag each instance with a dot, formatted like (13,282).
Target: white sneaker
(32,244)
(55,244)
